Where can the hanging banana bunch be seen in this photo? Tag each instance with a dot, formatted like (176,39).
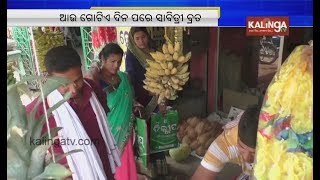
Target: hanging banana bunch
(168,71)
(45,39)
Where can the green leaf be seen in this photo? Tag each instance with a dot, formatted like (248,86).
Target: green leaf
(51,84)
(26,79)
(17,110)
(17,143)
(54,171)
(42,119)
(53,131)
(16,167)
(9,121)
(38,158)
(61,156)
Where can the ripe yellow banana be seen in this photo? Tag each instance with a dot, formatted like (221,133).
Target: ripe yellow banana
(146,81)
(167,71)
(170,65)
(187,57)
(165,79)
(167,93)
(168,57)
(164,82)
(174,71)
(154,65)
(183,69)
(161,72)
(179,65)
(161,55)
(152,84)
(165,48)
(175,80)
(177,47)
(175,86)
(181,59)
(175,56)
(146,87)
(164,65)
(185,79)
(152,74)
(170,48)
(182,76)
(158,56)
(149,79)
(159,86)
(155,90)
(181,83)
(161,97)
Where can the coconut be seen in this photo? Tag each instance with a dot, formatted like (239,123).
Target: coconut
(186,140)
(193,121)
(192,134)
(202,139)
(200,127)
(194,145)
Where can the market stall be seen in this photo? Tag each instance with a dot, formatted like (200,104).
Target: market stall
(206,84)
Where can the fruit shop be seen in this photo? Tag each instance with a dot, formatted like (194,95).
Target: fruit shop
(209,75)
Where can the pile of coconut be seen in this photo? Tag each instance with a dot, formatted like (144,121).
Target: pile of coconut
(198,133)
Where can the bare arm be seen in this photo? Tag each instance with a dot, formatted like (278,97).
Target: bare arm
(204,174)
(214,159)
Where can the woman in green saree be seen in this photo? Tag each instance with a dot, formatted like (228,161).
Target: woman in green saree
(139,47)
(120,98)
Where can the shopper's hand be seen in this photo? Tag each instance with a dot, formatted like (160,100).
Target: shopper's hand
(138,109)
(163,108)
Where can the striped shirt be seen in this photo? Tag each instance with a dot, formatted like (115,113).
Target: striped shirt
(224,149)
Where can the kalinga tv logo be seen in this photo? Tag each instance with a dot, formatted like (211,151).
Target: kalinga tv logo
(268,26)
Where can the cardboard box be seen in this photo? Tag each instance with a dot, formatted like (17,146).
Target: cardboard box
(237,99)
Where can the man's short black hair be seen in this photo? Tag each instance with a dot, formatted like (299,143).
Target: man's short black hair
(108,49)
(248,126)
(61,59)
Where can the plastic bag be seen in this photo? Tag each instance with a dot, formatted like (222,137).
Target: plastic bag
(163,131)
(142,135)
(285,137)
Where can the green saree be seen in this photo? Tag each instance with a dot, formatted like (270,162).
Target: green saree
(120,103)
